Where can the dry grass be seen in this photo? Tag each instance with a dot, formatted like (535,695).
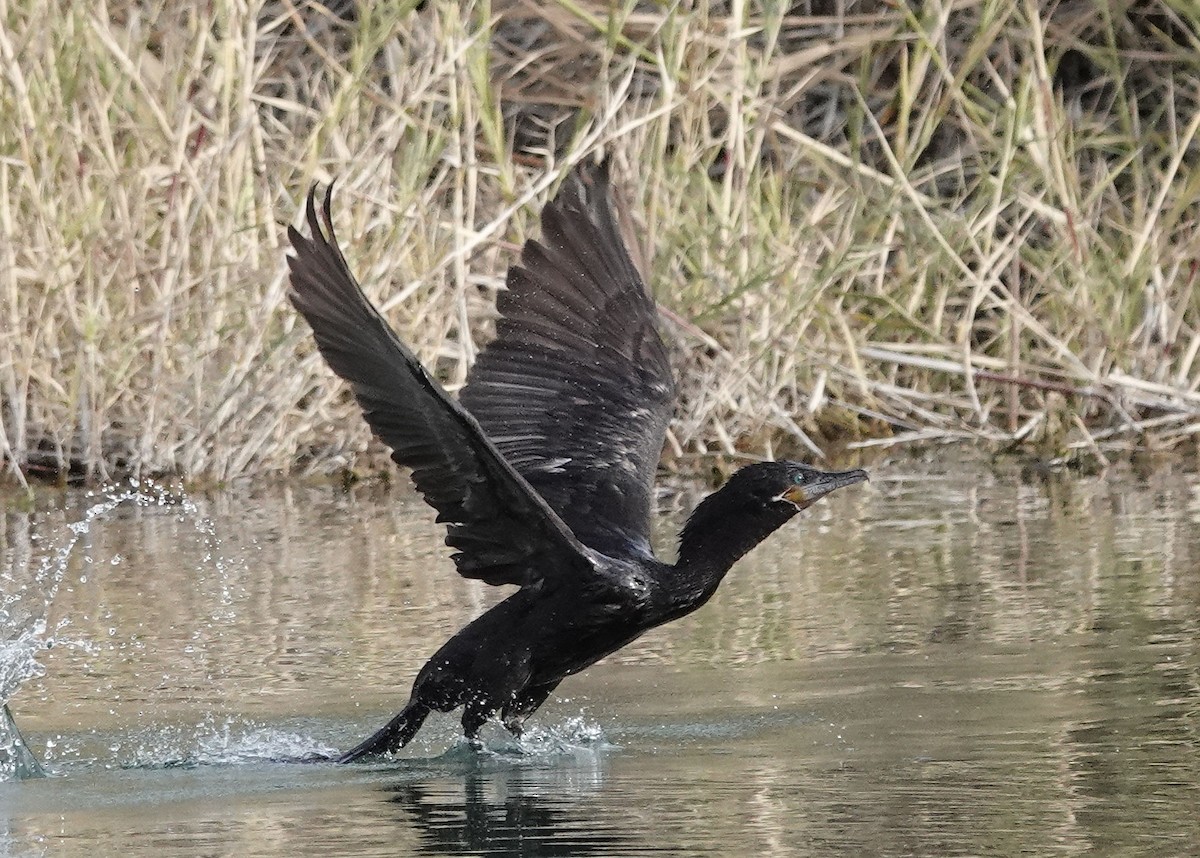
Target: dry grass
(867,223)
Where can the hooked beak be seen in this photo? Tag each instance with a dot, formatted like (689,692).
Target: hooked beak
(809,493)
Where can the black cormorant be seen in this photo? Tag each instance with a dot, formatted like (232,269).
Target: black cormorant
(543,469)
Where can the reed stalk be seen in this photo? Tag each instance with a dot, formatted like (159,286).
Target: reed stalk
(867,224)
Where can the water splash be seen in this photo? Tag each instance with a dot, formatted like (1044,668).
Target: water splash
(573,736)
(17,762)
(25,610)
(228,741)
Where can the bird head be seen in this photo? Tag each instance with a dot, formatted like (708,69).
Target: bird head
(785,484)
(803,486)
(757,500)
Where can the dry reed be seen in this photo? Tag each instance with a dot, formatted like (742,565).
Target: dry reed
(867,223)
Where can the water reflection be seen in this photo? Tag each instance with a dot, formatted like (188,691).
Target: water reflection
(514,811)
(1136,759)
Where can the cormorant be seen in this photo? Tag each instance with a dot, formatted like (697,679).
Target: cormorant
(543,469)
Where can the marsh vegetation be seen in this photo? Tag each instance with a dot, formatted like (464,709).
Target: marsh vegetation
(866,223)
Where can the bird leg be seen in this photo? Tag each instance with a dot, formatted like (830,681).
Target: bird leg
(524,703)
(473,718)
(512,724)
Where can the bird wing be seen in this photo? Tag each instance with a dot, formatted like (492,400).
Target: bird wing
(502,531)
(576,389)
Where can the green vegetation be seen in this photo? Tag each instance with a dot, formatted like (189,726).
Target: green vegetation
(889,223)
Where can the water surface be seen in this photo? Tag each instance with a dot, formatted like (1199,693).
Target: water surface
(951,660)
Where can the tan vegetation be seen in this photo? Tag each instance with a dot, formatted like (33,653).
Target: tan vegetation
(866,222)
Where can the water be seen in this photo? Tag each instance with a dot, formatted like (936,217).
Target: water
(953,660)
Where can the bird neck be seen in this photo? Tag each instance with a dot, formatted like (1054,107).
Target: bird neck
(722,528)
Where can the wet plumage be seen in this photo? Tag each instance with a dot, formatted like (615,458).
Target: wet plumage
(543,470)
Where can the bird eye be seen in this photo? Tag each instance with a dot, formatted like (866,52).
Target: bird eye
(799,478)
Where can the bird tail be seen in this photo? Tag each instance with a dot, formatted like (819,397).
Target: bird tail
(395,734)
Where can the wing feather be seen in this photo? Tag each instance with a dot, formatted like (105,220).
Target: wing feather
(503,532)
(576,390)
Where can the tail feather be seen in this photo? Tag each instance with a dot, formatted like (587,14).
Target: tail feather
(395,734)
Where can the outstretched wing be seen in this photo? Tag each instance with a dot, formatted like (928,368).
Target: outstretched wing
(503,532)
(576,390)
